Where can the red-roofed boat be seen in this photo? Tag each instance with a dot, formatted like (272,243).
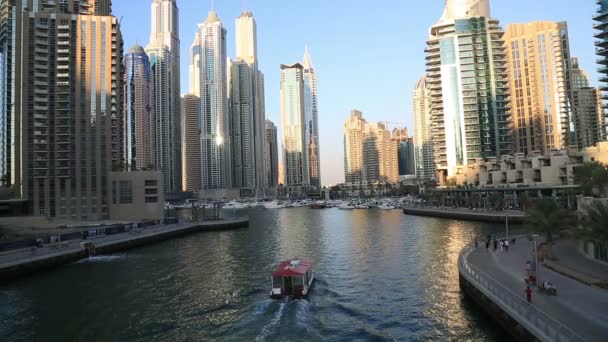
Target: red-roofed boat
(292,277)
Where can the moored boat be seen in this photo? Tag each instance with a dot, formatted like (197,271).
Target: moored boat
(292,278)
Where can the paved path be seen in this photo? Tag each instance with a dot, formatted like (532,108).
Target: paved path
(581,308)
(24,255)
(573,263)
(515,216)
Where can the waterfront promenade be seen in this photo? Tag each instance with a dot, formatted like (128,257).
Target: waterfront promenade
(483,215)
(28,260)
(578,312)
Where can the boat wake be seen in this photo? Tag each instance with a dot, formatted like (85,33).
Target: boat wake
(267,329)
(102,258)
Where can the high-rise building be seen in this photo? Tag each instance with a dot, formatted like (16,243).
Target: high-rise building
(293,128)
(354,127)
(195,65)
(467,77)
(139,120)
(423,142)
(247,115)
(370,155)
(539,77)
(601,50)
(214,120)
(271,155)
(191,143)
(311,114)
(60,121)
(405,151)
(586,122)
(163,51)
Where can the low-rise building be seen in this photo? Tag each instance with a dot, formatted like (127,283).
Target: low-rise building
(137,196)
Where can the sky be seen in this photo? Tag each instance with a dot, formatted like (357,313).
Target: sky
(368,55)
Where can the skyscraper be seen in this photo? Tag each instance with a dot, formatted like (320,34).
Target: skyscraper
(61,74)
(311,114)
(370,155)
(423,142)
(195,65)
(293,128)
(191,143)
(586,123)
(163,51)
(601,50)
(215,135)
(539,76)
(247,109)
(405,151)
(139,120)
(271,155)
(466,73)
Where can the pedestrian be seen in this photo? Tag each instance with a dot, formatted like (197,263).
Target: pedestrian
(487,244)
(502,244)
(495,245)
(529,294)
(506,245)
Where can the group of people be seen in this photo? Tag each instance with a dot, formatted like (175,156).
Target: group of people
(502,243)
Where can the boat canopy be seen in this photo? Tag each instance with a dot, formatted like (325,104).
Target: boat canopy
(293,267)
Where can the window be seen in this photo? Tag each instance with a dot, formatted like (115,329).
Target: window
(152,191)
(152,199)
(151,182)
(125,192)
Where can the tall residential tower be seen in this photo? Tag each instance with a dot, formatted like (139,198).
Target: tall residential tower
(467,77)
(164,54)
(423,143)
(311,115)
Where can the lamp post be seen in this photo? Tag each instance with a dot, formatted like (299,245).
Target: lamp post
(536,268)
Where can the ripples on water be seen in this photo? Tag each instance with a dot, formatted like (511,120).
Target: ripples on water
(381,275)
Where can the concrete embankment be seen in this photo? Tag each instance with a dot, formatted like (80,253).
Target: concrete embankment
(466,214)
(38,259)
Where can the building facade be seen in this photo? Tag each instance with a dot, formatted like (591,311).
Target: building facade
(191,143)
(164,53)
(539,66)
(139,120)
(405,151)
(215,134)
(60,122)
(293,129)
(423,142)
(370,154)
(467,77)
(311,113)
(586,121)
(271,155)
(601,49)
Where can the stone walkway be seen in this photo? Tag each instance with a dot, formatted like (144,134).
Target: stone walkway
(581,308)
(572,263)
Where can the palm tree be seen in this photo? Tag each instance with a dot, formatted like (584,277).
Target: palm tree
(594,222)
(592,178)
(544,216)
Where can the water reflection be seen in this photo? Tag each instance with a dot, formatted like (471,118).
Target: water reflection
(380,275)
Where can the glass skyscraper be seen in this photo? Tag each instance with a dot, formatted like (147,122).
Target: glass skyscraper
(601,48)
(466,73)
(312,120)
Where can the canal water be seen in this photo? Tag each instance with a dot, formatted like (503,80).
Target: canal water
(381,275)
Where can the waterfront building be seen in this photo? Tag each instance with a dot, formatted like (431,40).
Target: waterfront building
(191,143)
(293,129)
(163,51)
(311,121)
(540,80)
(423,142)
(139,120)
(61,116)
(601,49)
(370,155)
(137,196)
(405,146)
(271,155)
(247,115)
(214,121)
(586,121)
(467,77)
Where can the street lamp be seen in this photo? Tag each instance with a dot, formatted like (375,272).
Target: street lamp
(536,268)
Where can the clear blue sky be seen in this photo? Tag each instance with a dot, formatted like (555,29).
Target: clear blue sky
(368,54)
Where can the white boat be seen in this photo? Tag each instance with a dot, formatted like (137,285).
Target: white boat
(346,206)
(361,206)
(274,205)
(385,207)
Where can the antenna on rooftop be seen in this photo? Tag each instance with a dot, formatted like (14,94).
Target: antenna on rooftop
(213,5)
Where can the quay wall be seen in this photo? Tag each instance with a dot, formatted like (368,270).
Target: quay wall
(462,215)
(35,264)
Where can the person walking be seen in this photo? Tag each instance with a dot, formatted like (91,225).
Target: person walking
(488,244)
(502,243)
(495,245)
(529,294)
(506,245)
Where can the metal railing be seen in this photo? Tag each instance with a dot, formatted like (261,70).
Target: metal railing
(538,322)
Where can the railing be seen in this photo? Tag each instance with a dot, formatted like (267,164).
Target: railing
(538,322)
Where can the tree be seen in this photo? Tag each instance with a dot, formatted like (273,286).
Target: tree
(594,222)
(4,180)
(546,217)
(592,178)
